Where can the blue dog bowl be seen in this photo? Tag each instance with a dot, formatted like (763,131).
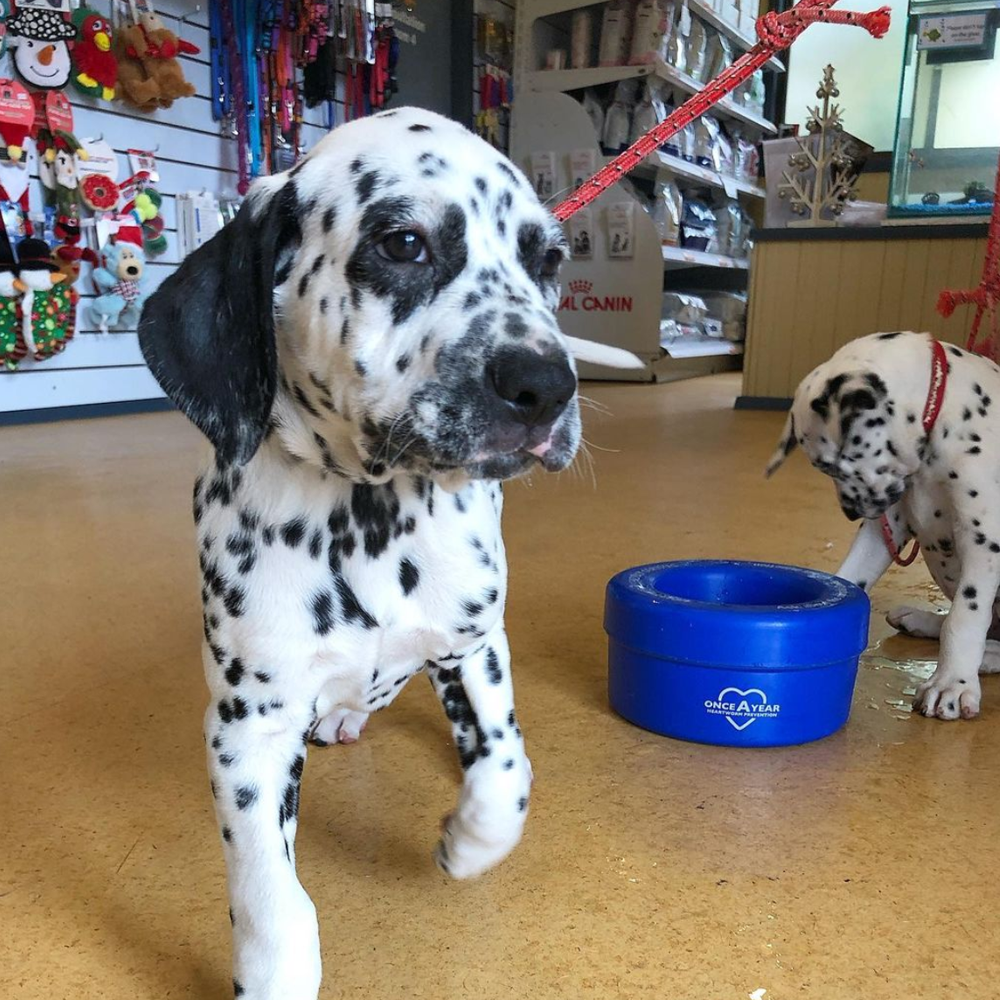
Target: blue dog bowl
(734,653)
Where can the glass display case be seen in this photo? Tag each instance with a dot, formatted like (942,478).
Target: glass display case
(948,125)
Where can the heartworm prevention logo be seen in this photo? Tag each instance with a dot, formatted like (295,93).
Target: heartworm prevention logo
(741,708)
(582,299)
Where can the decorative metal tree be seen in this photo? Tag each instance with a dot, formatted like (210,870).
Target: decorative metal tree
(825,152)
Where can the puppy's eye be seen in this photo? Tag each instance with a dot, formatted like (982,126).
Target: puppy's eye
(551,261)
(404,247)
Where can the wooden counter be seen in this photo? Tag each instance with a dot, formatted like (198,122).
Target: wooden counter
(813,290)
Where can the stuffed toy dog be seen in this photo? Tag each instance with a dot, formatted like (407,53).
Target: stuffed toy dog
(120,282)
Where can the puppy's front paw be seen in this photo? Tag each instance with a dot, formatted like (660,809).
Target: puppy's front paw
(915,622)
(946,696)
(464,851)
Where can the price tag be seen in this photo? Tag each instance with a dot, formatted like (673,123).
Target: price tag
(143,161)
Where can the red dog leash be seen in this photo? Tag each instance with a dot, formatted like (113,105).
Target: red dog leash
(932,409)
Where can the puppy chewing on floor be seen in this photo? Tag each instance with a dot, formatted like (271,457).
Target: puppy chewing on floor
(903,425)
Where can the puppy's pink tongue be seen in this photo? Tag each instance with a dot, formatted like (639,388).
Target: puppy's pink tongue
(540,450)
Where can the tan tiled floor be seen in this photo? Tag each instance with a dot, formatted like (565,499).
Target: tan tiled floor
(860,867)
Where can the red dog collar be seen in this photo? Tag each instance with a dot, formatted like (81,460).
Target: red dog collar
(932,409)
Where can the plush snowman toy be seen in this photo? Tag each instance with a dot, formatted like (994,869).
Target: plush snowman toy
(40,40)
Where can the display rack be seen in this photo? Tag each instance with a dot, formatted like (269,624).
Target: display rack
(618,301)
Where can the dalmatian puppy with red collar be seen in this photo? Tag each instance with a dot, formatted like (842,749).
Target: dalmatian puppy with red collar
(902,424)
(371,348)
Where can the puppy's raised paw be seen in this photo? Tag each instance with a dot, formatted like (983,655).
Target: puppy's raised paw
(948,697)
(915,622)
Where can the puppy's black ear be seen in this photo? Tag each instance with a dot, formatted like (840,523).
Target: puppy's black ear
(207,333)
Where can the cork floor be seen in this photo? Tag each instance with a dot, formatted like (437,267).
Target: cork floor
(861,867)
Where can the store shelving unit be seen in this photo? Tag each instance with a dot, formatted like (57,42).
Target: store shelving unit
(547,119)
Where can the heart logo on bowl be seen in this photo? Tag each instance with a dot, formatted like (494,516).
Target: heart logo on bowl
(743,709)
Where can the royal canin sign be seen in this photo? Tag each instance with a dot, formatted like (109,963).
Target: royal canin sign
(582,299)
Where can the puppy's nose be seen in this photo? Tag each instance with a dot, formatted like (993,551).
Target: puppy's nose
(534,389)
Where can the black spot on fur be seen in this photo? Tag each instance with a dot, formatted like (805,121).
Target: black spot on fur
(233,601)
(235,672)
(419,128)
(329,218)
(292,532)
(493,671)
(246,796)
(409,575)
(322,612)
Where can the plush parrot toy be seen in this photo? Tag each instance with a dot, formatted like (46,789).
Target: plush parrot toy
(95,69)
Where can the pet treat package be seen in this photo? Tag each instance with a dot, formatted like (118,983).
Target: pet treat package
(687,310)
(595,111)
(746,160)
(706,131)
(666,213)
(618,118)
(616,33)
(697,49)
(698,225)
(677,39)
(581,234)
(649,112)
(581,38)
(720,56)
(687,140)
(621,227)
(729,228)
(651,33)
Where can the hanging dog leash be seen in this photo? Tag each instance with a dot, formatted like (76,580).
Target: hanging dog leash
(932,409)
(776,32)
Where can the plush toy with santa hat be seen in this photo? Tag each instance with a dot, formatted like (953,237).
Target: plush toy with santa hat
(120,281)
(48,306)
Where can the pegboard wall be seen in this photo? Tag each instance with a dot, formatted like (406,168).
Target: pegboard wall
(107,368)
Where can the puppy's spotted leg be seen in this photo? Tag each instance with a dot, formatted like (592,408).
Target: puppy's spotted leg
(256,765)
(478,698)
(953,691)
(869,558)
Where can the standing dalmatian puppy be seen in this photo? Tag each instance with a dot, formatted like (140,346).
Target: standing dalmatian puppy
(370,347)
(902,424)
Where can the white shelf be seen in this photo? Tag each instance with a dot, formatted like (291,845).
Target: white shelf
(692,172)
(578,79)
(678,257)
(701,347)
(549,8)
(727,28)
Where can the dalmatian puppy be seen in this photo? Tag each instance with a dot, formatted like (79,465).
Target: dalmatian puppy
(370,347)
(859,418)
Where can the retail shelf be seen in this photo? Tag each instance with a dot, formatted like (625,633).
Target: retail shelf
(550,8)
(702,175)
(578,79)
(701,347)
(678,257)
(727,28)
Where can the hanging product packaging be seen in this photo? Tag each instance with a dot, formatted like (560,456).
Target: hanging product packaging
(651,34)
(595,111)
(581,38)
(621,229)
(95,68)
(581,235)
(747,160)
(582,164)
(17,118)
(616,33)
(666,213)
(697,49)
(40,40)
